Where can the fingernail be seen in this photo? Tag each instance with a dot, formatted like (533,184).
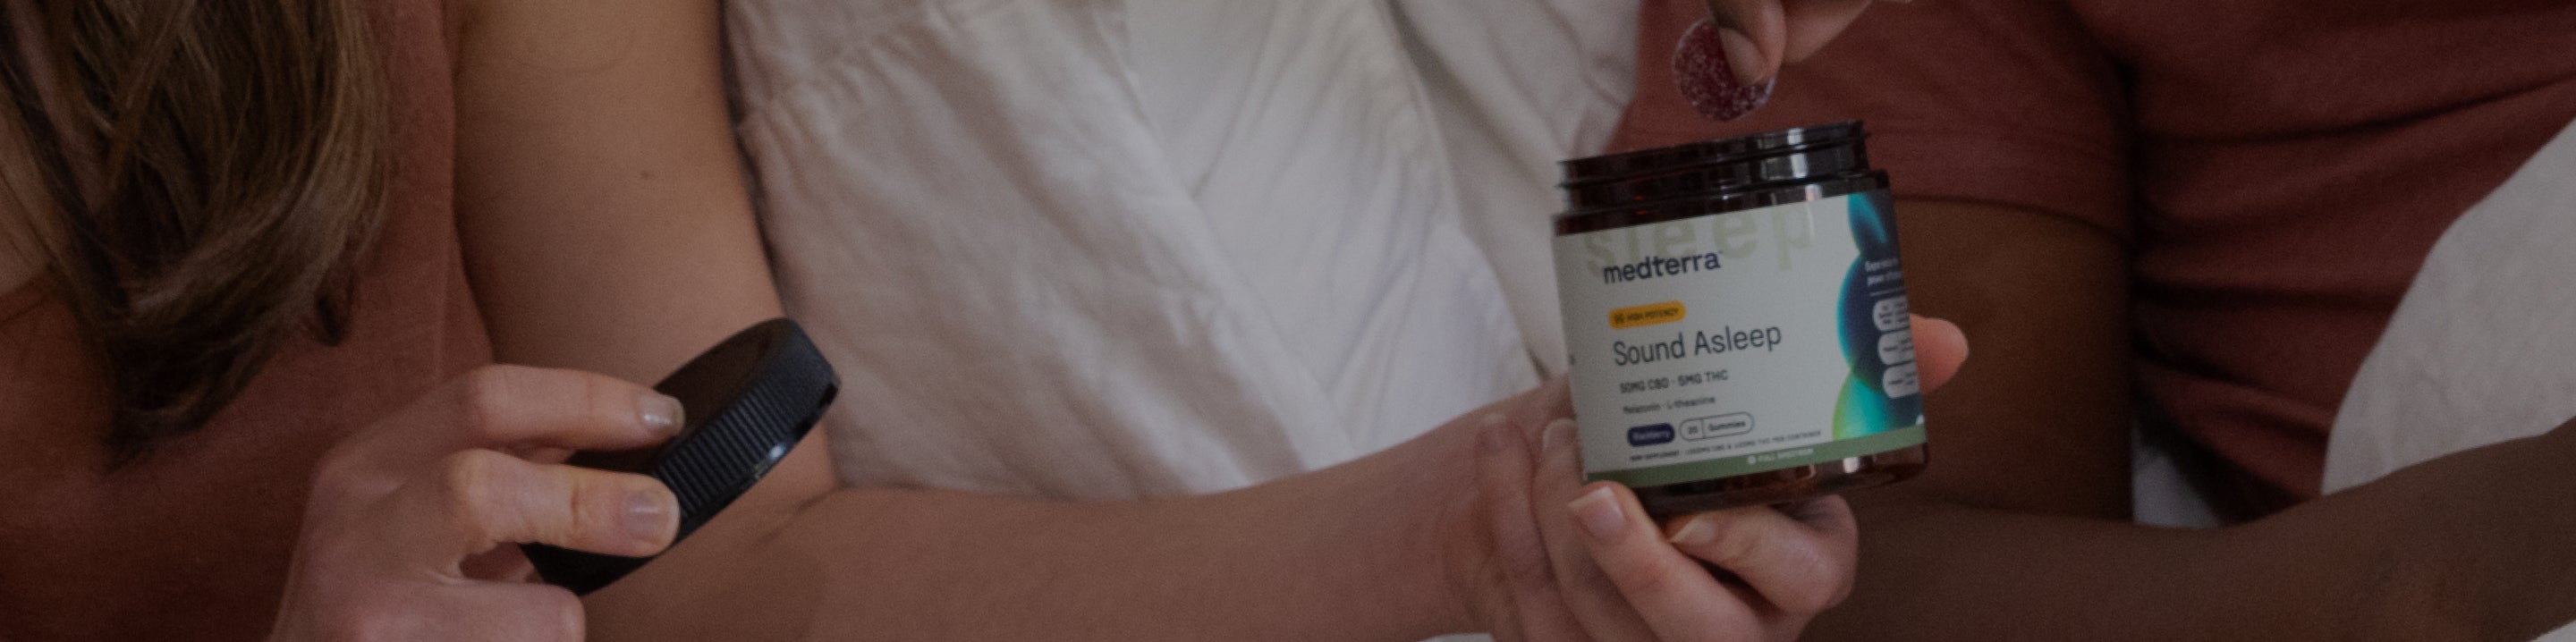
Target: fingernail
(1555,437)
(1696,531)
(1599,513)
(1560,433)
(649,514)
(1743,58)
(660,413)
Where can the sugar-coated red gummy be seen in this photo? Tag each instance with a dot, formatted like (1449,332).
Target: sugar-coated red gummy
(1699,69)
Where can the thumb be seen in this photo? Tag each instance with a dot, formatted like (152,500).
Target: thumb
(1939,349)
(1754,34)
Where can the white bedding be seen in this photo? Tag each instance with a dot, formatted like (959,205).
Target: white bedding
(2479,351)
(1106,248)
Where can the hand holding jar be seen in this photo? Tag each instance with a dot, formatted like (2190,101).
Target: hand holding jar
(1562,560)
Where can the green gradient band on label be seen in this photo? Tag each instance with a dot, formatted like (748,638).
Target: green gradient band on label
(1791,457)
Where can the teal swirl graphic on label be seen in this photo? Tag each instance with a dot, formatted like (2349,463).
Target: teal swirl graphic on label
(1881,393)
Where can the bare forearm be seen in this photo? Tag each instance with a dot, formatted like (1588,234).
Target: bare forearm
(2471,546)
(1237,566)
(1290,560)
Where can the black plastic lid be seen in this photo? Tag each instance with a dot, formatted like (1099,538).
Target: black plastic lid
(747,401)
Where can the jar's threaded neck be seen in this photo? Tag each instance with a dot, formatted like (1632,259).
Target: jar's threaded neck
(1712,168)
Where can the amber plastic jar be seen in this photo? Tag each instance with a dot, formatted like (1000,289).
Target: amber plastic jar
(1736,315)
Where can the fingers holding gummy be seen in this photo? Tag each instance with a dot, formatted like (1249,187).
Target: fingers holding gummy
(1714,81)
(1725,65)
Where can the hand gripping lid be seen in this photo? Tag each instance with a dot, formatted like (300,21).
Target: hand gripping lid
(746,402)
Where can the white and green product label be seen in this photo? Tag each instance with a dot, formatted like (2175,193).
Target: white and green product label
(1741,342)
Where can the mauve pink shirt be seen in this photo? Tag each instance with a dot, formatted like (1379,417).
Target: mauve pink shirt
(2279,167)
(192,542)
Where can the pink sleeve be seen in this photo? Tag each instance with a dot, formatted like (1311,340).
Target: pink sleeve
(2002,101)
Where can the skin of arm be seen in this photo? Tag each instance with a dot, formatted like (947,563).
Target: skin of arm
(597,177)
(2019,529)
(1252,564)
(606,228)
(592,135)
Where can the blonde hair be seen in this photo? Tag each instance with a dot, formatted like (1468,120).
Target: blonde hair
(199,178)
